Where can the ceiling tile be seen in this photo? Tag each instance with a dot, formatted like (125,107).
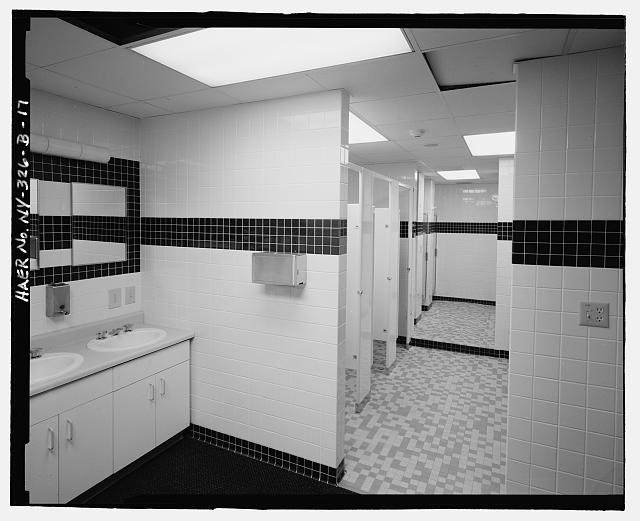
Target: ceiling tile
(403,75)
(50,40)
(592,39)
(491,61)
(433,38)
(404,172)
(380,152)
(139,109)
(487,123)
(442,142)
(270,88)
(128,73)
(433,128)
(407,108)
(426,153)
(482,100)
(202,99)
(43,79)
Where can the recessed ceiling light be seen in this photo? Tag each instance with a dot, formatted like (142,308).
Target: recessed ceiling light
(360,132)
(496,144)
(458,175)
(223,55)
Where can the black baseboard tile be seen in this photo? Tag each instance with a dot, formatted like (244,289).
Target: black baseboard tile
(277,458)
(426,308)
(469,300)
(402,340)
(460,348)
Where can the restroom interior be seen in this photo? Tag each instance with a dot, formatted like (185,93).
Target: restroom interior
(430,341)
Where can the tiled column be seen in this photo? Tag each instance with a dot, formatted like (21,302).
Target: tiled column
(503,264)
(565,426)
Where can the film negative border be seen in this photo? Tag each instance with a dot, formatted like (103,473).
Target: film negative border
(277,458)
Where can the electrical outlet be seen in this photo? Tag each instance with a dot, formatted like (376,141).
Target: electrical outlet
(115,298)
(129,295)
(594,314)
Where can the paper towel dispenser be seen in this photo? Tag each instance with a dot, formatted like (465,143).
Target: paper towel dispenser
(283,269)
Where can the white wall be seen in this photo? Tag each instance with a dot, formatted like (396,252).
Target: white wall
(466,262)
(54,116)
(267,362)
(565,421)
(503,262)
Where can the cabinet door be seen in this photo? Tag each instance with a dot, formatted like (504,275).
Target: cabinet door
(85,437)
(134,421)
(41,462)
(172,407)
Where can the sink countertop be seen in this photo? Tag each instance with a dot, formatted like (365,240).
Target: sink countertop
(96,361)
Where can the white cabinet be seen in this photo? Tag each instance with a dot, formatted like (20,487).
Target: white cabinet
(148,412)
(172,405)
(85,441)
(134,422)
(41,462)
(84,431)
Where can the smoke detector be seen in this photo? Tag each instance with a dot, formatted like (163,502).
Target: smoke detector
(417,132)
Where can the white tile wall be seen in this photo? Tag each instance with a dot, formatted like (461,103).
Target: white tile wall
(267,361)
(54,116)
(466,263)
(58,117)
(468,202)
(89,303)
(466,266)
(565,416)
(569,138)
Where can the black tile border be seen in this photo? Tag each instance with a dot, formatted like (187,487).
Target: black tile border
(459,348)
(54,231)
(505,230)
(427,308)
(464,227)
(587,243)
(460,299)
(318,236)
(99,228)
(417,228)
(117,172)
(280,459)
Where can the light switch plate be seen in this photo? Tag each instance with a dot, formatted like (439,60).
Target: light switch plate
(115,298)
(594,314)
(129,295)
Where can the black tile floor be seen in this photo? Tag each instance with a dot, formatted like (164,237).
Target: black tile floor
(198,470)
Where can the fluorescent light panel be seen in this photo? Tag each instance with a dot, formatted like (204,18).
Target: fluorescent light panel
(224,55)
(458,175)
(496,144)
(360,132)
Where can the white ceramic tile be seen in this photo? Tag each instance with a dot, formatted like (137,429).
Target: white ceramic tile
(545,389)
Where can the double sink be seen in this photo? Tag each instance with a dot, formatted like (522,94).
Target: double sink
(54,365)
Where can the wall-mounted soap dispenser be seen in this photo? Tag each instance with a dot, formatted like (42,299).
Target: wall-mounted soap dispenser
(58,299)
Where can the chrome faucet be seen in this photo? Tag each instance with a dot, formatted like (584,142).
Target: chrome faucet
(128,328)
(116,331)
(101,335)
(35,353)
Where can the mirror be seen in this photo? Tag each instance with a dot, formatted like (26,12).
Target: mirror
(99,228)
(76,224)
(51,224)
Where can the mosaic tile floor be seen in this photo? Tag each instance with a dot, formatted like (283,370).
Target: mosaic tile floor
(459,323)
(379,356)
(436,425)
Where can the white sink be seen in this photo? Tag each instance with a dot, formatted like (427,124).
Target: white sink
(135,339)
(53,365)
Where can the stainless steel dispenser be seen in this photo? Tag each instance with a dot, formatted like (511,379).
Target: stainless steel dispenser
(283,269)
(58,299)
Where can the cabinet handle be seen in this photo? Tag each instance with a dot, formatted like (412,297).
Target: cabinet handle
(50,439)
(69,434)
(152,392)
(162,385)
